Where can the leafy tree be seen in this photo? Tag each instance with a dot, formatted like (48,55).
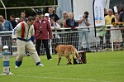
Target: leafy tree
(22,3)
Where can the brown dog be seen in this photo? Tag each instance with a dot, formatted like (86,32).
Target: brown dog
(66,50)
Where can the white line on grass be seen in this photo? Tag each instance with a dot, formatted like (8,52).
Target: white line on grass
(81,79)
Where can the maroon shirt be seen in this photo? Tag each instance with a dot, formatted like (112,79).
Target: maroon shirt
(42,29)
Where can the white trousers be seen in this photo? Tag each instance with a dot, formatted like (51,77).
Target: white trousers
(22,46)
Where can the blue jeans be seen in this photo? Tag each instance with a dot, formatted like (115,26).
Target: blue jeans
(83,34)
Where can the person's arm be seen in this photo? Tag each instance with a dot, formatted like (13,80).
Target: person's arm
(10,26)
(15,31)
(67,23)
(87,22)
(32,34)
(80,19)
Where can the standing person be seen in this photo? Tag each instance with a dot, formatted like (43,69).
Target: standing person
(23,32)
(54,27)
(108,21)
(43,33)
(116,34)
(46,16)
(53,15)
(121,17)
(6,25)
(23,15)
(84,20)
(12,20)
(21,19)
(63,19)
(71,23)
(102,32)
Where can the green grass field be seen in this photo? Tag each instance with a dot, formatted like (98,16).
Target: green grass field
(100,67)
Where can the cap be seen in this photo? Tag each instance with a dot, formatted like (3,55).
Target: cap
(47,14)
(39,12)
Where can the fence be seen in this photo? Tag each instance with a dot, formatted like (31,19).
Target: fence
(67,36)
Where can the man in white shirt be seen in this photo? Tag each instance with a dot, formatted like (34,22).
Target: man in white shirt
(83,20)
(22,35)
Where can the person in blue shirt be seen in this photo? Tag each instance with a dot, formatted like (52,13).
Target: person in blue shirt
(6,25)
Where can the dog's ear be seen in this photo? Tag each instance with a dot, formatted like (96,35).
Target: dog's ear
(56,45)
(55,48)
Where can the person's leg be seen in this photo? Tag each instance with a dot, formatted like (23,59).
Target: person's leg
(101,42)
(21,52)
(122,44)
(33,53)
(87,41)
(107,37)
(45,43)
(80,40)
(38,44)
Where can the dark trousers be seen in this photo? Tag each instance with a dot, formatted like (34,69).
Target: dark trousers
(122,31)
(107,37)
(101,41)
(46,46)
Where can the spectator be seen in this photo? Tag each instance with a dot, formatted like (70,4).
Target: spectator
(54,26)
(63,19)
(84,20)
(102,32)
(23,15)
(12,20)
(51,14)
(71,38)
(116,34)
(22,19)
(46,16)
(108,21)
(70,22)
(121,17)
(43,33)
(6,25)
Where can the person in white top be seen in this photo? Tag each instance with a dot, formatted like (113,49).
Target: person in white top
(83,20)
(22,36)
(116,35)
(54,27)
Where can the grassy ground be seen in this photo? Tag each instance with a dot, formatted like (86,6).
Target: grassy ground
(100,67)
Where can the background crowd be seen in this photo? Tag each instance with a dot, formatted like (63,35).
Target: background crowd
(43,30)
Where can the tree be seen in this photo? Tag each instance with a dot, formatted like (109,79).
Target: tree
(22,3)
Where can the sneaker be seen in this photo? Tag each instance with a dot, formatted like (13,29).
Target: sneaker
(16,67)
(40,65)
(50,59)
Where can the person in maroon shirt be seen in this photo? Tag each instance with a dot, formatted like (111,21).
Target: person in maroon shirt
(43,33)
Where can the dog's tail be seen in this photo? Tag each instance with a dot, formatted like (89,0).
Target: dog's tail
(74,52)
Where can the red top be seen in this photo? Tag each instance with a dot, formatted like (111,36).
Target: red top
(42,29)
